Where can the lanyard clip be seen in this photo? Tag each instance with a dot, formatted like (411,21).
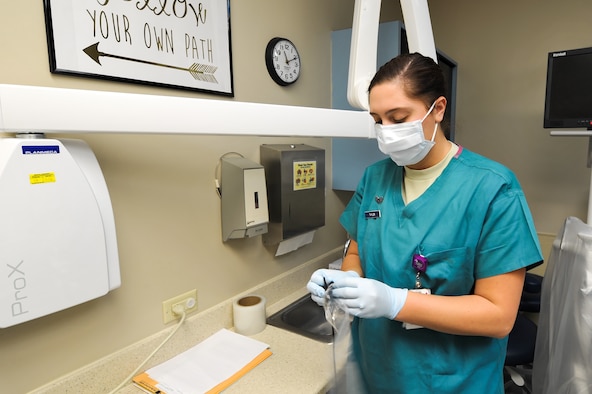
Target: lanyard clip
(419,263)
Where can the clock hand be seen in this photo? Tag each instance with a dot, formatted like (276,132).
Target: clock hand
(286,57)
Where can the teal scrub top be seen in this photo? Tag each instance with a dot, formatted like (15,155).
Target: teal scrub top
(473,222)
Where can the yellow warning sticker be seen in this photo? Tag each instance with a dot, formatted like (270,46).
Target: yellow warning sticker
(46,177)
(305,175)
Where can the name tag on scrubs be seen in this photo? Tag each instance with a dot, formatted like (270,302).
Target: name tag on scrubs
(372,214)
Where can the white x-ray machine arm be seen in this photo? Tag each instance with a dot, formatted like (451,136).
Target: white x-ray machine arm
(362,62)
(57,110)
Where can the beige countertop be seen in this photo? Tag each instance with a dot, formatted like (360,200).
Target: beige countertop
(298,364)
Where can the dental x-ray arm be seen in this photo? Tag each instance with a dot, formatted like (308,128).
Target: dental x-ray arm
(363,53)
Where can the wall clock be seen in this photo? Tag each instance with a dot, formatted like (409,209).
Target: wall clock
(282,61)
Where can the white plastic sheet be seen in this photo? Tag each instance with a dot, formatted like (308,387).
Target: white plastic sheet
(563,354)
(346,374)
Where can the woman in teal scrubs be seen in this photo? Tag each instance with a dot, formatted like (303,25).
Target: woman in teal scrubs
(441,238)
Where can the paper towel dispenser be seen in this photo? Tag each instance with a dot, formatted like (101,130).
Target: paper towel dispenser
(58,246)
(295,176)
(244,198)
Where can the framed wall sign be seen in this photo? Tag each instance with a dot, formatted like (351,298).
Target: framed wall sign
(174,43)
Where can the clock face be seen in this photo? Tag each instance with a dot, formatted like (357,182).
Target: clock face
(283,61)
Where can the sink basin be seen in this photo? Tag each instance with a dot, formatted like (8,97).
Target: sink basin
(304,317)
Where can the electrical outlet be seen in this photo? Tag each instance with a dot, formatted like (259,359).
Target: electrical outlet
(188,300)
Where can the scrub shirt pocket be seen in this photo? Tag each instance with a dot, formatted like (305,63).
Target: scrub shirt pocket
(449,272)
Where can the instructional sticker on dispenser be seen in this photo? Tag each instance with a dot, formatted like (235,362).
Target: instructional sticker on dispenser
(46,177)
(305,175)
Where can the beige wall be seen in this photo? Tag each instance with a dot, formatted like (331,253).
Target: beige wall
(162,189)
(501,48)
(167,213)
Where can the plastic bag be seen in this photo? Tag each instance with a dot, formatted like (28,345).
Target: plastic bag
(346,375)
(563,352)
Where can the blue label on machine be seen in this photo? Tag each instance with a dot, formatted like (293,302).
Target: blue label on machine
(41,150)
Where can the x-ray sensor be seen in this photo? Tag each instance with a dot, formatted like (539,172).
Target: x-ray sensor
(58,245)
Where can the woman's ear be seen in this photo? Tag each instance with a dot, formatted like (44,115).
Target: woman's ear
(440,108)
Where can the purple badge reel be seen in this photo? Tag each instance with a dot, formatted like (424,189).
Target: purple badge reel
(420,265)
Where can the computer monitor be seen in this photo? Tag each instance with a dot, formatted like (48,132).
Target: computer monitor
(568,98)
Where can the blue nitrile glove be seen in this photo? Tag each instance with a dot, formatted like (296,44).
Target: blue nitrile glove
(322,278)
(368,298)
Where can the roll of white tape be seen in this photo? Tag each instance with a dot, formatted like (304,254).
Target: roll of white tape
(249,314)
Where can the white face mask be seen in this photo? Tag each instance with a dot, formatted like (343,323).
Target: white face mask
(405,142)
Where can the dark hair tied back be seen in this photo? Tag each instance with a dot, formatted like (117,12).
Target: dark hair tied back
(421,76)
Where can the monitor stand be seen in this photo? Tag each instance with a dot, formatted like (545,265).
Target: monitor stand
(589,163)
(581,133)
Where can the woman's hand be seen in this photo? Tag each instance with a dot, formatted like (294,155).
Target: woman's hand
(368,298)
(322,278)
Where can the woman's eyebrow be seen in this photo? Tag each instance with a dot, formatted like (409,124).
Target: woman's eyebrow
(395,111)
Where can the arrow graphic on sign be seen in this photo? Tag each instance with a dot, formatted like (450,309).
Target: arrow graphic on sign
(201,72)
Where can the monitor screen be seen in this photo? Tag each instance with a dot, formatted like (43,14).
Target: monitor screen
(568,99)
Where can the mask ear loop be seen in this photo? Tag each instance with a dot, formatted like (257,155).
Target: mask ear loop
(435,130)
(429,112)
(426,115)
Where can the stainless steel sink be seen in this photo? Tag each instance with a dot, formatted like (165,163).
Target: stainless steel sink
(304,317)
